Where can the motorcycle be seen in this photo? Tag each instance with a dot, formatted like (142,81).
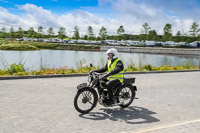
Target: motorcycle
(87,97)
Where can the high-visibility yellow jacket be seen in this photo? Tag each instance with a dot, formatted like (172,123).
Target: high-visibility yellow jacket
(111,67)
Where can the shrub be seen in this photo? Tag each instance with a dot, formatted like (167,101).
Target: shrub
(164,68)
(186,65)
(3,72)
(148,67)
(16,68)
(131,67)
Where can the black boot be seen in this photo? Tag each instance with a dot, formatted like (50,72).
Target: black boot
(110,102)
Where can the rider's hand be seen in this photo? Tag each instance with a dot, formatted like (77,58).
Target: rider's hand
(92,71)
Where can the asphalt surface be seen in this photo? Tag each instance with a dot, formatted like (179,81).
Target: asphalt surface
(168,103)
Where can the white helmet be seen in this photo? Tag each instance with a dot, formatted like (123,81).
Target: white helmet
(112,51)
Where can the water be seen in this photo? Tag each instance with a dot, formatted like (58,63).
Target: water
(34,60)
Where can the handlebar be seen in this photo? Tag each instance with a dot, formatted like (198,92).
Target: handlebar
(96,75)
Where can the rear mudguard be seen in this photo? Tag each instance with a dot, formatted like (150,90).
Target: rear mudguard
(132,86)
(135,88)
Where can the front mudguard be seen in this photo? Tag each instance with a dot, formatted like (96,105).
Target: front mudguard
(81,86)
(85,87)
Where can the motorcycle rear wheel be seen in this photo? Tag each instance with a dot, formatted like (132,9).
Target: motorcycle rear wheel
(126,96)
(85,100)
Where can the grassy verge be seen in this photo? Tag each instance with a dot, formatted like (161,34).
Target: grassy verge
(8,45)
(81,47)
(19,70)
(15,45)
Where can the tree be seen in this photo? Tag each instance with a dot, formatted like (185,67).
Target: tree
(76,33)
(85,37)
(61,32)
(50,32)
(40,32)
(142,37)
(198,38)
(194,30)
(40,29)
(146,28)
(103,33)
(90,35)
(31,32)
(20,33)
(120,31)
(152,35)
(3,32)
(168,28)
(167,36)
(178,37)
(12,35)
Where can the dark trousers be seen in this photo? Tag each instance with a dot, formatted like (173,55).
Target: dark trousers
(111,85)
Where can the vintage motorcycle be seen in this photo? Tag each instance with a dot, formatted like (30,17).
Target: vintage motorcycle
(86,97)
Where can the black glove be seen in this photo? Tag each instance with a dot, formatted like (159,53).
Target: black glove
(92,71)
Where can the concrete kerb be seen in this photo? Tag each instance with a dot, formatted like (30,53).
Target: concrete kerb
(85,74)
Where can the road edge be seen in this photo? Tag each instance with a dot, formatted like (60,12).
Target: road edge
(85,74)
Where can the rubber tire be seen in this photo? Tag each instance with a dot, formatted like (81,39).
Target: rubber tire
(132,98)
(78,94)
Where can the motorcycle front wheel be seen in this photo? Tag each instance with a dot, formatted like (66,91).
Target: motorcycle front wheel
(85,100)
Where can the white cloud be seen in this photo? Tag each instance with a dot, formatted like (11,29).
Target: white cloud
(134,13)
(7,19)
(37,16)
(129,13)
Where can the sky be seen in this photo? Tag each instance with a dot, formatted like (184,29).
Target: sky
(131,14)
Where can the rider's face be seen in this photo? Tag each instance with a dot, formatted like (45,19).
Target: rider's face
(110,56)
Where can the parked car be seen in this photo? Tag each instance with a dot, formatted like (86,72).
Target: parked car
(195,44)
(150,43)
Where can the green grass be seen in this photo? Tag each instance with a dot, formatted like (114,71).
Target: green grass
(16,45)
(79,47)
(18,69)
(42,45)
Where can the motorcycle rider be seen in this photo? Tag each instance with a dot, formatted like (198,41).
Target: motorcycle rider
(114,68)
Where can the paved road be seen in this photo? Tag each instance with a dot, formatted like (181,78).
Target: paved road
(168,103)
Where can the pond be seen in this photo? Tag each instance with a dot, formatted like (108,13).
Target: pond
(34,60)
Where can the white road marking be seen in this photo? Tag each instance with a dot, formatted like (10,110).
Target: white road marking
(166,126)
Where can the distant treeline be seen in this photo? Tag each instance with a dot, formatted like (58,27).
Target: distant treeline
(146,34)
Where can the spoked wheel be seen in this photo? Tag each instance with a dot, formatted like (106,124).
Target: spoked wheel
(126,96)
(85,100)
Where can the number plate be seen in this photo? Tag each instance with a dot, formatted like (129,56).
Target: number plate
(82,85)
